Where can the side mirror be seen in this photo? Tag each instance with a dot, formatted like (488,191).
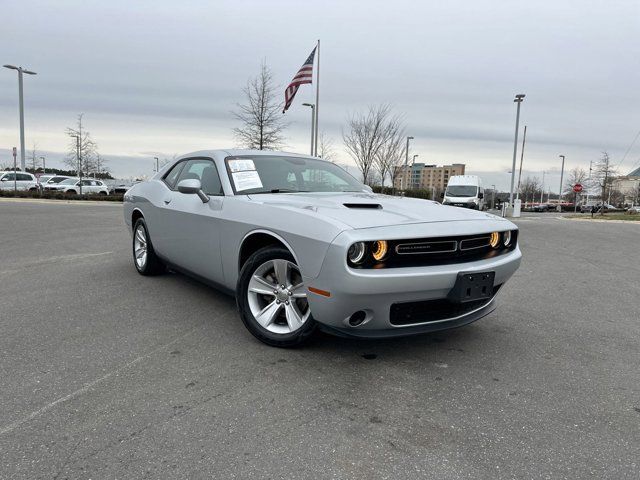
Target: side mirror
(4,180)
(192,186)
(441,194)
(480,195)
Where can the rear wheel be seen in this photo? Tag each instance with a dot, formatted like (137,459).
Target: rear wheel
(272,299)
(144,257)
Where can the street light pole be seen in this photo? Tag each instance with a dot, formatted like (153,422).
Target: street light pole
(313,123)
(20,71)
(44,165)
(561,176)
(77,137)
(493,200)
(519,98)
(542,187)
(524,139)
(413,162)
(406,161)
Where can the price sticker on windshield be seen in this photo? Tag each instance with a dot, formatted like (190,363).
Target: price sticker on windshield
(242,165)
(246,180)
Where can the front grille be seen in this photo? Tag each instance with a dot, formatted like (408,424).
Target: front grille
(472,243)
(410,313)
(418,252)
(426,247)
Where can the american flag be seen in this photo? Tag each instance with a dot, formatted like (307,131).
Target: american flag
(303,76)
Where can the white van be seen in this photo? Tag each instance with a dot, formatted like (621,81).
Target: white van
(464,191)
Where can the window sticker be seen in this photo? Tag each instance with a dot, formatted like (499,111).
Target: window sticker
(241,165)
(246,180)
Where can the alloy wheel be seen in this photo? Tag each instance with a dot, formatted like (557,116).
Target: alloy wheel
(277,298)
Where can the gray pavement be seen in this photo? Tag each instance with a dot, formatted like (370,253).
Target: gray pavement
(106,374)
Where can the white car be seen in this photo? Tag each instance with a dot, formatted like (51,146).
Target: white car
(20,180)
(50,180)
(72,186)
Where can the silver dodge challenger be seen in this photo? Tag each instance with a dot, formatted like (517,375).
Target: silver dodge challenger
(302,244)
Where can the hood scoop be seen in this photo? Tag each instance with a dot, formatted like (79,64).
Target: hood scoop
(366,206)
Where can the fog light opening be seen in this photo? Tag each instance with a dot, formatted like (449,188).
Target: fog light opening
(357,318)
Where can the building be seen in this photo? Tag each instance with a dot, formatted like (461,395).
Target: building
(629,186)
(427,177)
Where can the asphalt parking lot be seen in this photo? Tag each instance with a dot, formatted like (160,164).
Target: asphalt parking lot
(106,374)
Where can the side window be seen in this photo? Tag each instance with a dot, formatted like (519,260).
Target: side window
(10,176)
(205,171)
(24,177)
(86,183)
(172,175)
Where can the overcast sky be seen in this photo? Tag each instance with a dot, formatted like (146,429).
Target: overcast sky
(159,78)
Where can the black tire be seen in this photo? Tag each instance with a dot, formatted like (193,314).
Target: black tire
(153,265)
(71,192)
(102,193)
(283,340)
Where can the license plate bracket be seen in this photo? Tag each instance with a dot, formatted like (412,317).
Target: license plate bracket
(471,286)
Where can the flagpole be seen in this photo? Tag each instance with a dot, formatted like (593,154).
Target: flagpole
(317,97)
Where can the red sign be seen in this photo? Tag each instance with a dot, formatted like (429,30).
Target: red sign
(577,188)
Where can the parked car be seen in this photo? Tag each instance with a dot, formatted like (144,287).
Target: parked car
(72,186)
(19,180)
(302,244)
(47,180)
(120,189)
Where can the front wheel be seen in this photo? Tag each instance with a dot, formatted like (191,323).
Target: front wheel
(144,256)
(272,299)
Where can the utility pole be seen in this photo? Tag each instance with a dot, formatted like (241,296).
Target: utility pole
(493,199)
(542,187)
(21,71)
(44,165)
(519,98)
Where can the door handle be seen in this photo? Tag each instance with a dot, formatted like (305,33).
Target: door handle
(167,200)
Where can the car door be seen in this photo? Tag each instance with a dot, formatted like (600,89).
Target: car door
(25,181)
(87,188)
(190,228)
(6,181)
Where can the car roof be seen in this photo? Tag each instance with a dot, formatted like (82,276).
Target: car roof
(232,152)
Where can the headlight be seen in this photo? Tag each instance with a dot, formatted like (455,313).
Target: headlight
(379,249)
(356,252)
(494,240)
(506,238)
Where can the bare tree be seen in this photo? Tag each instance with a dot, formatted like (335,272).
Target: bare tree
(604,176)
(392,153)
(530,189)
(575,176)
(34,160)
(325,148)
(261,121)
(366,136)
(88,148)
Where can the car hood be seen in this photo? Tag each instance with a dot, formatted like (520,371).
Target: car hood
(368,210)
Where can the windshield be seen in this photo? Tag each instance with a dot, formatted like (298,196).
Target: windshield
(280,174)
(69,181)
(462,191)
(56,180)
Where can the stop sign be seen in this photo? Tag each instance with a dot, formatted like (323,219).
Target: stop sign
(577,188)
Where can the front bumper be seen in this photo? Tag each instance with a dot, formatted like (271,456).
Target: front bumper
(374,291)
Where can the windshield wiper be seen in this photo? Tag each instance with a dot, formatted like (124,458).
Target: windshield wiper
(279,190)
